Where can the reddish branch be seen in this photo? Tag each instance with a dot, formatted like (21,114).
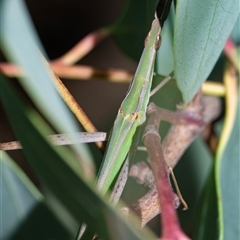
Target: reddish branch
(193,119)
(170,226)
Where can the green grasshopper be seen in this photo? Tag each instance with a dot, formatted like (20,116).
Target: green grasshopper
(132,112)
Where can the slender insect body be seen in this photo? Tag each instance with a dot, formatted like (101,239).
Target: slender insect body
(123,124)
(131,113)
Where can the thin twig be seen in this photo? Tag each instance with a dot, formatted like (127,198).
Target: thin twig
(83,47)
(214,88)
(66,95)
(159,86)
(76,72)
(181,136)
(83,72)
(156,115)
(61,139)
(174,145)
(73,105)
(146,207)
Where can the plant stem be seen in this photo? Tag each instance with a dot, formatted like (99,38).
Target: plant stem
(170,225)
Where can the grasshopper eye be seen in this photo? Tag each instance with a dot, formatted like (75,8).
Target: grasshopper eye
(158,42)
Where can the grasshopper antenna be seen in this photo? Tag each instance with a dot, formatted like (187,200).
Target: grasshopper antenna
(162,10)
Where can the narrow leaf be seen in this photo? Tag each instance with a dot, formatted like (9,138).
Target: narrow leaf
(132,25)
(18,195)
(21,45)
(229,184)
(201,30)
(59,173)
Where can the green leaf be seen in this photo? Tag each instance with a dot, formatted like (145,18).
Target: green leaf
(192,173)
(229,175)
(18,195)
(236,32)
(21,45)
(164,60)
(41,224)
(219,217)
(206,217)
(60,174)
(201,30)
(132,26)
(23,206)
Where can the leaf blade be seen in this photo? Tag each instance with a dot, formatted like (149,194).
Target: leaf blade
(21,45)
(201,30)
(60,173)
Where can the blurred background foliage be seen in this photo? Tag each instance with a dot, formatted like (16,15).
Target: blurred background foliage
(34,204)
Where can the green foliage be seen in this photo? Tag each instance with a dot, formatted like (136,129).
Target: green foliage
(229,178)
(133,23)
(22,47)
(200,32)
(69,197)
(23,206)
(58,169)
(59,172)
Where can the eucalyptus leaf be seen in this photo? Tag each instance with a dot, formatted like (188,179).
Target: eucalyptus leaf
(60,173)
(206,224)
(22,206)
(41,224)
(192,173)
(18,195)
(21,45)
(236,32)
(229,182)
(132,25)
(219,215)
(164,59)
(200,32)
